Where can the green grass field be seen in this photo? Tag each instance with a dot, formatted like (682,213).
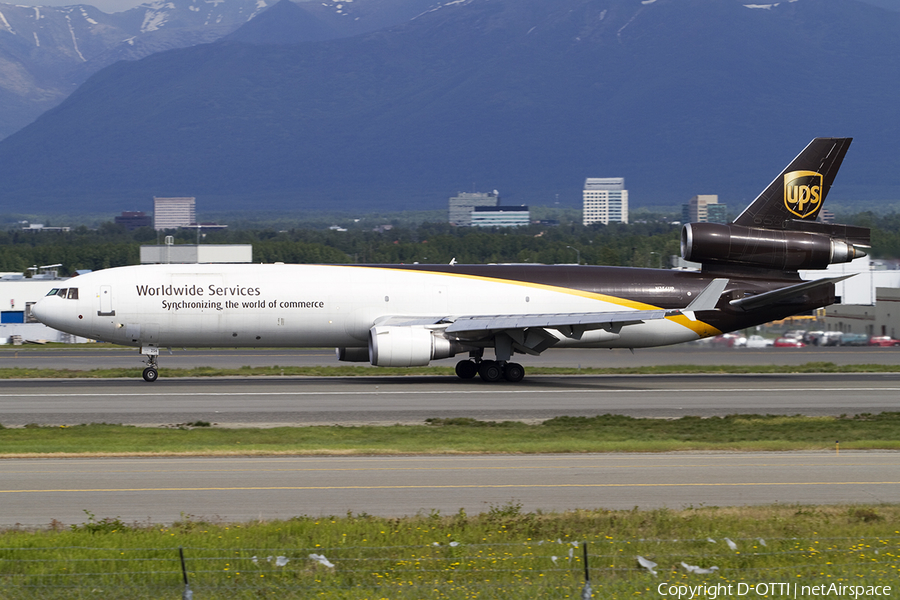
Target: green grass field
(367,371)
(606,433)
(502,553)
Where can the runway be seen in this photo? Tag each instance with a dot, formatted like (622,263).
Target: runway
(35,491)
(92,357)
(162,490)
(266,402)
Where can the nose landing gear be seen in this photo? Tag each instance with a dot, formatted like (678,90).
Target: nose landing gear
(151,373)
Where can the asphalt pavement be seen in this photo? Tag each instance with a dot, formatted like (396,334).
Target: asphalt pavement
(280,401)
(35,491)
(161,490)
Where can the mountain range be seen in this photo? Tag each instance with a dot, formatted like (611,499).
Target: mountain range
(681,97)
(47,51)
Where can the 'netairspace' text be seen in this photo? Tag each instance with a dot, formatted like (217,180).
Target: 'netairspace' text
(771,589)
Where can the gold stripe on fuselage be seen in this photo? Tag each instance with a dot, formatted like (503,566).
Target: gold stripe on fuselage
(699,327)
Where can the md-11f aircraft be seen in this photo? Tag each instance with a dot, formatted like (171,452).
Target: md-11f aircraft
(410,315)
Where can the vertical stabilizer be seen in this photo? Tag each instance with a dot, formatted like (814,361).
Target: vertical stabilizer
(800,190)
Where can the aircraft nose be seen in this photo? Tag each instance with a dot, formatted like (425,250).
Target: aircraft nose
(41,311)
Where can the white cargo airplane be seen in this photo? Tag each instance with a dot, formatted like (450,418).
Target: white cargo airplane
(409,315)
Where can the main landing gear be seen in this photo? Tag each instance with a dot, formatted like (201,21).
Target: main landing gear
(490,370)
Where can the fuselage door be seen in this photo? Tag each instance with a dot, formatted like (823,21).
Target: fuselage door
(106,303)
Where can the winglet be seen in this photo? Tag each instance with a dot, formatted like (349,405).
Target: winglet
(707,299)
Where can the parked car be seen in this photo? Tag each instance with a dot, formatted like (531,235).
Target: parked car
(814,338)
(883,340)
(758,341)
(786,342)
(854,339)
(832,338)
(729,340)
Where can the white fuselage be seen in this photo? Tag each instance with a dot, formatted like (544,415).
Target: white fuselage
(314,305)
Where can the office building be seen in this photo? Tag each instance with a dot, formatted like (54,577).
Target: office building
(134,219)
(717,213)
(171,213)
(605,201)
(462,205)
(704,208)
(500,216)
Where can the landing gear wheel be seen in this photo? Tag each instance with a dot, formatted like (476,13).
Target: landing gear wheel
(490,370)
(150,374)
(514,372)
(466,369)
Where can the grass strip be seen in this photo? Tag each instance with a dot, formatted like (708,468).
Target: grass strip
(501,553)
(605,433)
(367,371)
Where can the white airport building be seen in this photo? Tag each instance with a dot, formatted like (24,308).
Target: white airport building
(17,295)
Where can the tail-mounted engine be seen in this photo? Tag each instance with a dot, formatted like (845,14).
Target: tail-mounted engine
(810,246)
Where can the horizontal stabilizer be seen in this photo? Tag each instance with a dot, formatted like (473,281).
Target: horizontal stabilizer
(783,294)
(857,236)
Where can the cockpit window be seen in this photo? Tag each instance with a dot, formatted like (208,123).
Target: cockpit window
(70,293)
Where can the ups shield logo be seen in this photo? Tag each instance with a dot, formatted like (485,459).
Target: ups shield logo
(803,193)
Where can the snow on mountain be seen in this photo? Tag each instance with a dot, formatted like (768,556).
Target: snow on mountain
(46,51)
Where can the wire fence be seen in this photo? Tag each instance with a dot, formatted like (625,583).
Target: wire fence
(526,569)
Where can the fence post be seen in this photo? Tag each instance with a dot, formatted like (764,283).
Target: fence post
(587,591)
(188,594)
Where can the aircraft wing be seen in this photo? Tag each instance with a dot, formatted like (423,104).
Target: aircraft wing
(529,334)
(477,325)
(585,321)
(706,300)
(574,323)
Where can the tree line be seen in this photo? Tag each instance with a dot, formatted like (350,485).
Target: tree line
(649,243)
